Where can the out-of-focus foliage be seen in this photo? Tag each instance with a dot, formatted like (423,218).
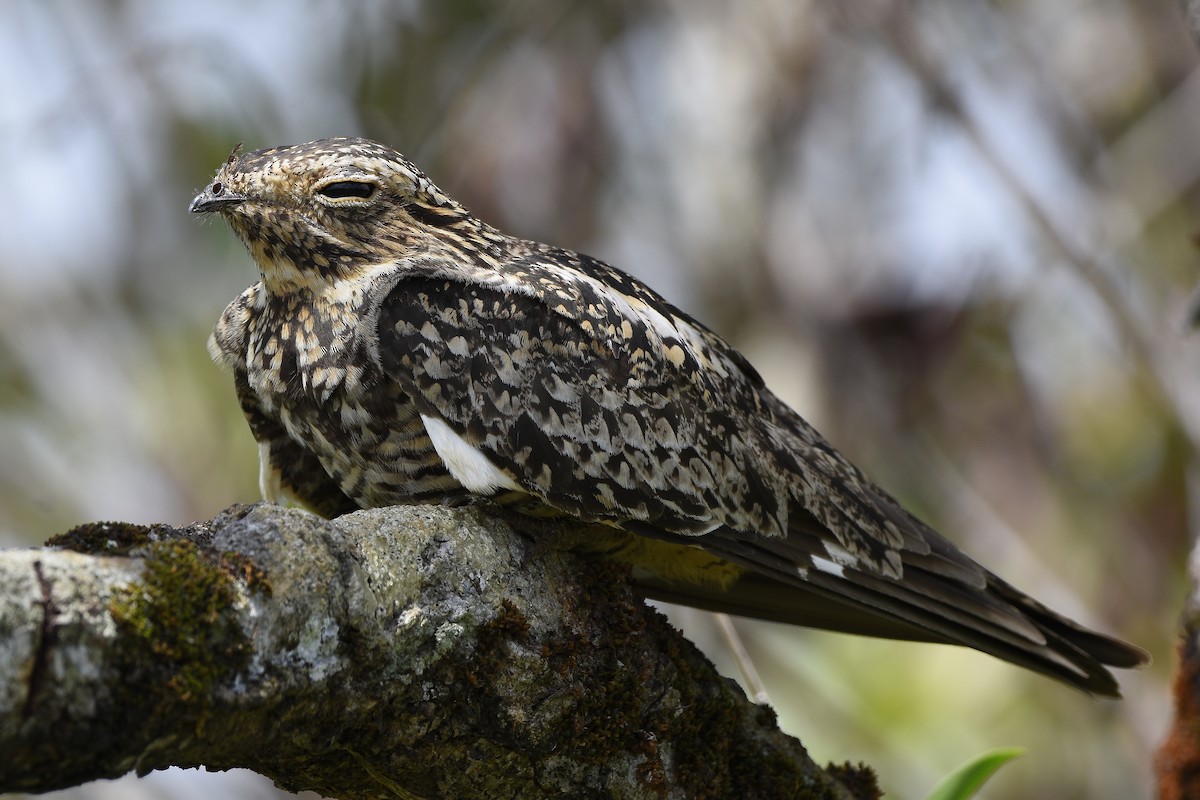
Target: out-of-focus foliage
(965,781)
(955,234)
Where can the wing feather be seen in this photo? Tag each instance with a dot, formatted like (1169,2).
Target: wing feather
(603,401)
(584,401)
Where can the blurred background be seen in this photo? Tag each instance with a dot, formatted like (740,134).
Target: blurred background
(957,235)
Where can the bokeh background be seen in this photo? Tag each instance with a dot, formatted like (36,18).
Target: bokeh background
(956,234)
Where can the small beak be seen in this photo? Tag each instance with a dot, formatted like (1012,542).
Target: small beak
(214,198)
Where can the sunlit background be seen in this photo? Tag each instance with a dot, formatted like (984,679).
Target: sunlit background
(956,235)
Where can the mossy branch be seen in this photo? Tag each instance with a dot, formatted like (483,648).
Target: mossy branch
(405,652)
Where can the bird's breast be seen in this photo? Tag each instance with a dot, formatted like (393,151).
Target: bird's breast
(309,368)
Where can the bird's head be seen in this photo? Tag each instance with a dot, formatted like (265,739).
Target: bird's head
(316,213)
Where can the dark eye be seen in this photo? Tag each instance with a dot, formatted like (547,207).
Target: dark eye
(342,189)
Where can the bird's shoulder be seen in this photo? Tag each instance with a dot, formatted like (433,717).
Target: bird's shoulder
(581,303)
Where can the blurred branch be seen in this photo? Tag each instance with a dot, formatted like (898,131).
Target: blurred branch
(1191,10)
(402,652)
(1177,766)
(1173,380)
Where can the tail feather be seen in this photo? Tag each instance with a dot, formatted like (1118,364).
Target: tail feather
(941,597)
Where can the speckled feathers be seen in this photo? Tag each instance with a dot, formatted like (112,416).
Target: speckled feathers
(399,350)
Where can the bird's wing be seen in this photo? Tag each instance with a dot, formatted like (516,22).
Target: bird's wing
(586,389)
(573,382)
(596,401)
(579,386)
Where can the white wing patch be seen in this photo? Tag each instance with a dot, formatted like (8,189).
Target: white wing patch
(841,558)
(465,463)
(827,566)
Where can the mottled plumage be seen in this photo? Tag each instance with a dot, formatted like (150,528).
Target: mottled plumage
(398,350)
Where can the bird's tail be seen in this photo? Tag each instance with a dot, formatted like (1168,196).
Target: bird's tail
(941,596)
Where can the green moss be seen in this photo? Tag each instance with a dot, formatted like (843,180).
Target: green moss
(611,699)
(860,780)
(714,755)
(714,744)
(508,625)
(179,625)
(107,538)
(243,568)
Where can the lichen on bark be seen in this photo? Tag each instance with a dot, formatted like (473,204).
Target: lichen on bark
(425,651)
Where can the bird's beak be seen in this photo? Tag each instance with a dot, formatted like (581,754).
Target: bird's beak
(214,198)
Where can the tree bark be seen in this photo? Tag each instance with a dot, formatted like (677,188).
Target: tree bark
(1177,766)
(412,652)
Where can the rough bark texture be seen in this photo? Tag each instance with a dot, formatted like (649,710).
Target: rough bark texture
(1178,762)
(405,652)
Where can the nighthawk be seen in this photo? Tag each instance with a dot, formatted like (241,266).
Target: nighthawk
(399,350)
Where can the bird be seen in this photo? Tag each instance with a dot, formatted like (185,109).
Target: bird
(399,350)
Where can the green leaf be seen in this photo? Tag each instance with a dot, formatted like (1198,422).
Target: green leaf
(965,781)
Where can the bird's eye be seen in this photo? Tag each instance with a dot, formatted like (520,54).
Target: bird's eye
(340,190)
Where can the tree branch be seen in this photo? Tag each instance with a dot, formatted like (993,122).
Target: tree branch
(404,652)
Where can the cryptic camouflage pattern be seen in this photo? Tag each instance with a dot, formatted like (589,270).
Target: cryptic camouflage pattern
(399,350)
